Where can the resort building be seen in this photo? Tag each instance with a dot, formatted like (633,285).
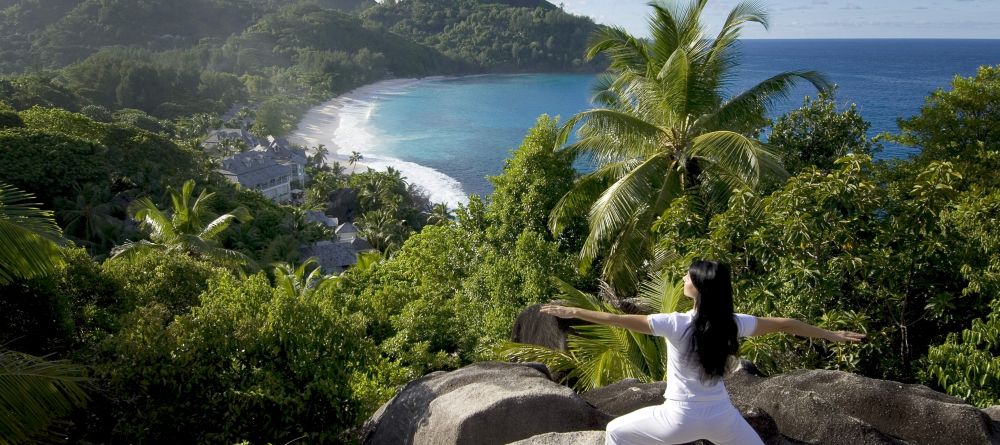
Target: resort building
(339,254)
(272,166)
(258,171)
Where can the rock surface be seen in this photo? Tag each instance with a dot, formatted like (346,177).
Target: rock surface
(535,328)
(495,403)
(833,407)
(574,438)
(483,403)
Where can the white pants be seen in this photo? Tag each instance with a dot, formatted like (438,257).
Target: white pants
(676,422)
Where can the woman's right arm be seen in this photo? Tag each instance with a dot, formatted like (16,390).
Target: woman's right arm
(767,325)
(637,323)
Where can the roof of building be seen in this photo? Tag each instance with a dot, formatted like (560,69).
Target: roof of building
(280,150)
(333,256)
(216,136)
(346,229)
(253,168)
(319,217)
(360,244)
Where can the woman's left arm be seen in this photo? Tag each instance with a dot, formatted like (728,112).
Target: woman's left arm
(637,323)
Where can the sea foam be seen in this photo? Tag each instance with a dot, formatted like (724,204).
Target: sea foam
(344,125)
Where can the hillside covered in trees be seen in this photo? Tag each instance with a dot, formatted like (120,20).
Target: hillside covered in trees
(173,59)
(144,298)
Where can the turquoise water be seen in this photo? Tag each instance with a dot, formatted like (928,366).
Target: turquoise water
(449,134)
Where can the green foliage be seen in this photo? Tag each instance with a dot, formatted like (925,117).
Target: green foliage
(666,129)
(69,162)
(173,281)
(968,365)
(491,35)
(532,181)
(35,392)
(23,92)
(28,237)
(817,134)
(957,123)
(190,228)
(250,363)
(598,355)
(10,119)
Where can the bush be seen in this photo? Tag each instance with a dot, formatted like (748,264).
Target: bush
(250,363)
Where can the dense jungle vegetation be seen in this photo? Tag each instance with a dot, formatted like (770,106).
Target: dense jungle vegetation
(143,298)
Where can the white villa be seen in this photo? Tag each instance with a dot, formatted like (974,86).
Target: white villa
(270,167)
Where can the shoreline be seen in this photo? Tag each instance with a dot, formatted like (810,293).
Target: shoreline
(341,125)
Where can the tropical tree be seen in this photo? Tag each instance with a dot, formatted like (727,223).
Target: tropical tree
(439,214)
(598,355)
(28,237)
(33,391)
(88,217)
(318,160)
(190,227)
(383,230)
(666,128)
(302,281)
(353,160)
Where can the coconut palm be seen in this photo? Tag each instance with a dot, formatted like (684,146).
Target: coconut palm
(28,237)
(190,228)
(597,355)
(383,229)
(666,128)
(355,157)
(33,391)
(89,218)
(439,215)
(302,281)
(318,159)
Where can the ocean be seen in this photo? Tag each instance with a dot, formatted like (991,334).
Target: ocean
(448,134)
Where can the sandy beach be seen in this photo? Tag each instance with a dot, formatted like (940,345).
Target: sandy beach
(342,126)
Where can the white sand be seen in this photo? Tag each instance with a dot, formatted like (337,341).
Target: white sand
(342,126)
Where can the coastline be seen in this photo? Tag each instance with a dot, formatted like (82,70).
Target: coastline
(342,126)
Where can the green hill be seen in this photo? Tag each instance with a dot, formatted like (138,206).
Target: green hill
(509,35)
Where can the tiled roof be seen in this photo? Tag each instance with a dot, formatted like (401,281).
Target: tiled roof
(333,256)
(254,168)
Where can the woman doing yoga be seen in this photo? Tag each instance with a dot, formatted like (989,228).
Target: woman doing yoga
(700,345)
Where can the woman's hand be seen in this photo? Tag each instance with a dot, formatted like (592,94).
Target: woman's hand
(846,336)
(558,311)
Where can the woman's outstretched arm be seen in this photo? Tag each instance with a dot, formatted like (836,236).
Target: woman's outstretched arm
(767,325)
(637,323)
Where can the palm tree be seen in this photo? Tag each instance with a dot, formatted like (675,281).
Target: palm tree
(295,282)
(88,217)
(383,230)
(28,237)
(665,129)
(318,159)
(33,391)
(355,157)
(597,355)
(439,215)
(190,228)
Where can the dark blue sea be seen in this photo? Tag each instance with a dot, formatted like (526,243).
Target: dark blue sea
(448,134)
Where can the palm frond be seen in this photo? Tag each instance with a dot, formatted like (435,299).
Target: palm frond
(619,204)
(151,218)
(736,155)
(28,237)
(624,50)
(34,392)
(758,99)
(217,226)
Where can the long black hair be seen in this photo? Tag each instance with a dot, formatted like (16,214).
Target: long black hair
(713,333)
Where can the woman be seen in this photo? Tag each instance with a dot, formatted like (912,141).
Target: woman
(700,345)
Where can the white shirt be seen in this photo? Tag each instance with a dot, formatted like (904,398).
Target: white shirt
(684,372)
